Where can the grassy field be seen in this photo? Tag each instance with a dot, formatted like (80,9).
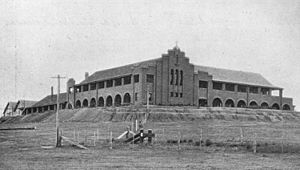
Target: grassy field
(23,149)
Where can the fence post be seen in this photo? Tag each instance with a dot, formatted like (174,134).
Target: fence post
(85,137)
(110,139)
(241,134)
(282,138)
(136,125)
(97,134)
(74,135)
(254,143)
(78,139)
(201,137)
(179,136)
(164,137)
(150,136)
(94,138)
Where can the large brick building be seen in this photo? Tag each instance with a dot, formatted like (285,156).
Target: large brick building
(169,80)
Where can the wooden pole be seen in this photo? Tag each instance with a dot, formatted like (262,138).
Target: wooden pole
(58,141)
(94,138)
(201,137)
(241,134)
(58,138)
(282,138)
(74,135)
(164,134)
(97,134)
(136,125)
(254,143)
(179,136)
(110,139)
(78,136)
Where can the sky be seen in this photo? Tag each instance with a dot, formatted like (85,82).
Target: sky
(42,38)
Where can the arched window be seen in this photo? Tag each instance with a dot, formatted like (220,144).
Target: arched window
(85,103)
(177,77)
(241,103)
(253,104)
(101,102)
(93,102)
(275,106)
(181,77)
(229,103)
(126,98)
(109,101)
(217,102)
(264,105)
(286,107)
(78,104)
(118,100)
(172,77)
(70,106)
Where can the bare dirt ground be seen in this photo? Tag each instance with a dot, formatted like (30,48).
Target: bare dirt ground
(22,149)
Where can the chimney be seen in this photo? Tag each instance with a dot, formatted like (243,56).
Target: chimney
(86,75)
(51,92)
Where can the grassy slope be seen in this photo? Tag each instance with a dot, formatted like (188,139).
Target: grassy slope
(22,149)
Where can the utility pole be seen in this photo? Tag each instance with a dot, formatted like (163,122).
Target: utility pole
(58,138)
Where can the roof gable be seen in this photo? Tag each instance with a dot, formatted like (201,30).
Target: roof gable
(118,71)
(233,76)
(51,100)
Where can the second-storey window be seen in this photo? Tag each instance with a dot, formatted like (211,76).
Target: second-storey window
(229,87)
(109,83)
(150,78)
(217,86)
(203,84)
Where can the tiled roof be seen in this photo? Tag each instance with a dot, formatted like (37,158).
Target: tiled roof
(51,100)
(118,71)
(238,77)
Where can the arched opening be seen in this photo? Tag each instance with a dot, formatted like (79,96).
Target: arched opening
(253,104)
(202,103)
(217,102)
(85,103)
(70,106)
(93,102)
(264,105)
(229,103)
(241,104)
(275,106)
(126,100)
(118,100)
(101,102)
(286,107)
(78,104)
(109,101)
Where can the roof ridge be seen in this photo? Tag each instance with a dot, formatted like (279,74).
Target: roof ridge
(228,69)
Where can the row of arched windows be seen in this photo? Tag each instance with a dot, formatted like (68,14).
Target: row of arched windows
(108,101)
(217,102)
(176,77)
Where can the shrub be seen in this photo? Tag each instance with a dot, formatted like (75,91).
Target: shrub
(208,142)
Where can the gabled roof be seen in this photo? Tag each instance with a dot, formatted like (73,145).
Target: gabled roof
(238,77)
(25,103)
(10,106)
(118,71)
(51,100)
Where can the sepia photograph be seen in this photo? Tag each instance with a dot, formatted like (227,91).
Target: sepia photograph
(137,84)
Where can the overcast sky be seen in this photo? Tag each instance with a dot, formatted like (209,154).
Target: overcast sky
(42,38)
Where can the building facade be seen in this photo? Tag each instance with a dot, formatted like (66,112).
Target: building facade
(171,80)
